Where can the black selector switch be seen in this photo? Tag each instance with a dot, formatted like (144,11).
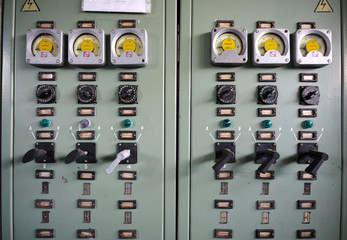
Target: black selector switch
(127,94)
(84,153)
(46,93)
(318,159)
(225,153)
(267,94)
(269,156)
(309,95)
(226,94)
(42,153)
(86,94)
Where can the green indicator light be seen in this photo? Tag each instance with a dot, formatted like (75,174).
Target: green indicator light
(226,123)
(307,124)
(267,123)
(127,123)
(45,123)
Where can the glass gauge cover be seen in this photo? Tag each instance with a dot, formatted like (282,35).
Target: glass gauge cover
(45,42)
(87,42)
(129,42)
(228,41)
(312,42)
(269,42)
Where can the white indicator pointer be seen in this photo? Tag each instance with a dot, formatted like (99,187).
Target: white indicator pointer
(120,157)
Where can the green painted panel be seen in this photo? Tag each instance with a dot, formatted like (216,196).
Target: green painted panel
(244,189)
(149,188)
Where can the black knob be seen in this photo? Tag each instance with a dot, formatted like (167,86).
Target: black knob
(226,94)
(127,94)
(269,156)
(228,156)
(318,159)
(86,94)
(32,154)
(74,155)
(267,94)
(309,95)
(46,93)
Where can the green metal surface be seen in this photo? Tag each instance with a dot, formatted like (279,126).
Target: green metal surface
(154,188)
(244,189)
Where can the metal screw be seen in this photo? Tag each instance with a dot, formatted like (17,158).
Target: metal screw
(29,31)
(256,31)
(113,31)
(100,31)
(58,32)
(70,31)
(243,30)
(287,60)
(58,61)
(329,61)
(328,31)
(142,30)
(28,60)
(299,60)
(299,32)
(100,61)
(70,61)
(113,61)
(214,59)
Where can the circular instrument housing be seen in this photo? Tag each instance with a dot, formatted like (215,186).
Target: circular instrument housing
(86,47)
(46,93)
(129,47)
(228,46)
(271,46)
(45,47)
(127,94)
(312,47)
(86,94)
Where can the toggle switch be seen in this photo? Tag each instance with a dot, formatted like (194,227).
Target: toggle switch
(120,157)
(74,155)
(42,153)
(269,156)
(84,153)
(318,159)
(225,153)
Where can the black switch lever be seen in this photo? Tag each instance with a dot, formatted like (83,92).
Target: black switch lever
(269,156)
(228,156)
(32,154)
(318,159)
(74,155)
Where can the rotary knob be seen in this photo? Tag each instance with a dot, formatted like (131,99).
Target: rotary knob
(127,94)
(45,93)
(267,94)
(310,95)
(86,94)
(226,94)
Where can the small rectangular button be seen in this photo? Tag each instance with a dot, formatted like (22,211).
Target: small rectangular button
(264,233)
(86,203)
(127,111)
(47,76)
(44,134)
(44,203)
(127,234)
(270,174)
(229,135)
(128,76)
(45,111)
(127,175)
(45,233)
(307,112)
(221,175)
(86,233)
(306,204)
(86,175)
(266,112)
(265,205)
(307,135)
(226,111)
(306,176)
(308,77)
(86,111)
(307,233)
(223,204)
(265,135)
(223,233)
(267,77)
(87,76)
(44,174)
(85,135)
(230,76)
(127,204)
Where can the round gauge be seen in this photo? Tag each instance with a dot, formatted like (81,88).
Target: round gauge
(228,41)
(129,42)
(87,42)
(127,94)
(45,42)
(269,42)
(310,43)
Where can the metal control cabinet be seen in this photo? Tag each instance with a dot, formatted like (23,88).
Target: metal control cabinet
(232,208)
(61,204)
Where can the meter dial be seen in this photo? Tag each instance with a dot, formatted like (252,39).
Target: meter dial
(310,43)
(86,94)
(228,41)
(45,93)
(129,42)
(269,42)
(86,42)
(45,42)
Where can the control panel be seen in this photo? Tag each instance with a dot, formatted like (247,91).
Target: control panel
(89,124)
(265,144)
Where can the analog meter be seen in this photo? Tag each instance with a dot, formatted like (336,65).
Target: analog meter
(271,46)
(129,47)
(229,46)
(86,46)
(313,47)
(44,46)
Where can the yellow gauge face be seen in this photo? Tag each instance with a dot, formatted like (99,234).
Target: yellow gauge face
(86,42)
(310,43)
(129,42)
(228,41)
(45,42)
(269,42)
